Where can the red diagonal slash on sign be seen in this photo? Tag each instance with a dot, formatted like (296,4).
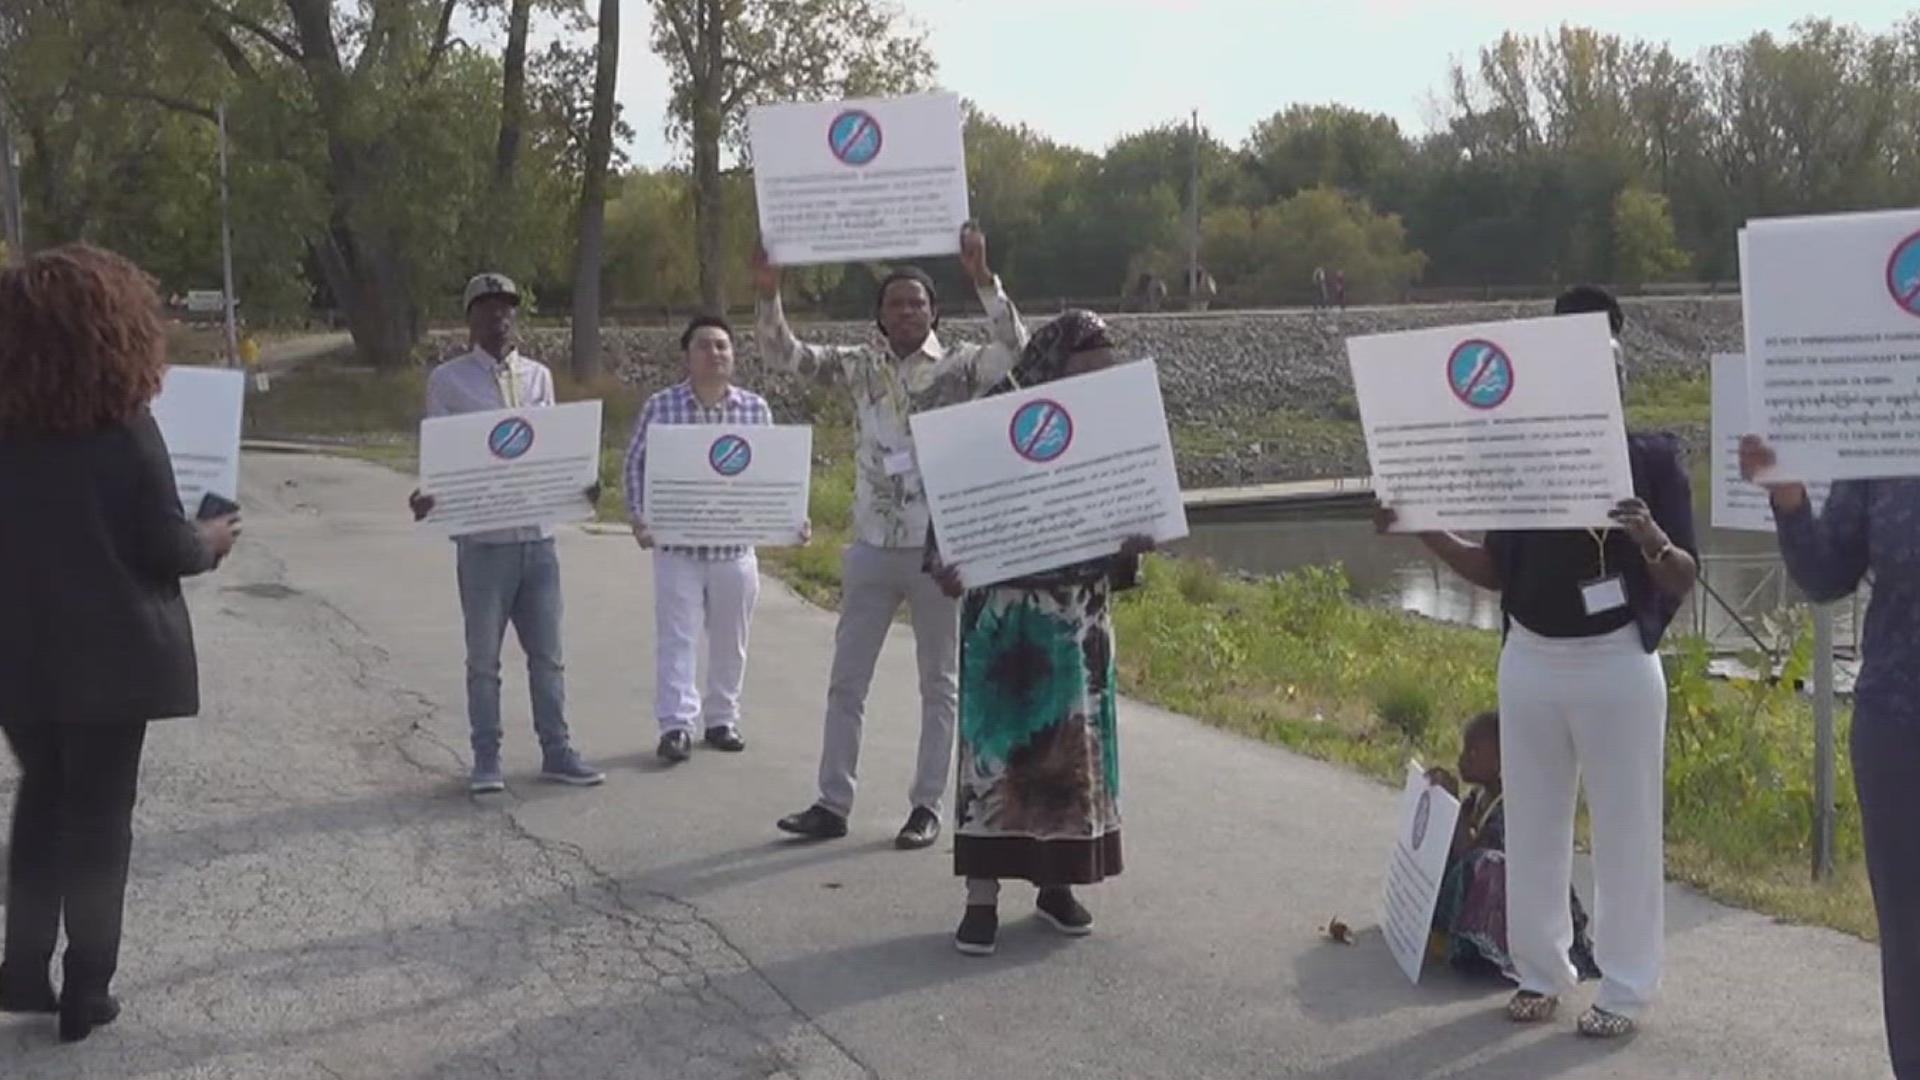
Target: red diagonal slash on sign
(1048,414)
(853,138)
(1486,368)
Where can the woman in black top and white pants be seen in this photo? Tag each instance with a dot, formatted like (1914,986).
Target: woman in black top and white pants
(1583,699)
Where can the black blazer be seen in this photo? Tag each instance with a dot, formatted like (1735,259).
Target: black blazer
(92,549)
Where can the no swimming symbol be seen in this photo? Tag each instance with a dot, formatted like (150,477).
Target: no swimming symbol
(510,438)
(1481,374)
(730,455)
(1903,274)
(1041,431)
(854,137)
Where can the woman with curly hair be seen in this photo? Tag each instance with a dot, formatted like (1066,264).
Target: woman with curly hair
(94,636)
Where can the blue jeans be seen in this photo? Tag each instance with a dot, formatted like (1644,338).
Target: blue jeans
(516,583)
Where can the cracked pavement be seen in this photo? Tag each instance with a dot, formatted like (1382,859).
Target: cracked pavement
(314,895)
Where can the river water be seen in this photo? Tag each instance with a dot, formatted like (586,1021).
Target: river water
(1742,569)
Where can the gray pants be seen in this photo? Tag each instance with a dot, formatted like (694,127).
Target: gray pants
(874,581)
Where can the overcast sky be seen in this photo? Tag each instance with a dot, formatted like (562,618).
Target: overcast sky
(1087,71)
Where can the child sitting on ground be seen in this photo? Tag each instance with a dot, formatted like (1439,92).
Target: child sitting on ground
(1470,920)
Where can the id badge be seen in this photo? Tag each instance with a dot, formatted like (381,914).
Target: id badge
(1604,594)
(899,462)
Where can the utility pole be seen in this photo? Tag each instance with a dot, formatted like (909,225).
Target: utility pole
(1193,219)
(12,224)
(226,249)
(1823,742)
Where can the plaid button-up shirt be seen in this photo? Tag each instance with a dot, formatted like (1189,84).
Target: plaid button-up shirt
(679,405)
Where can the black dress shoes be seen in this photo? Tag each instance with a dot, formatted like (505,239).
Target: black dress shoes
(815,823)
(920,831)
(676,747)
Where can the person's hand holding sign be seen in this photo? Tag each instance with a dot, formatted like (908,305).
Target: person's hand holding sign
(766,276)
(421,505)
(973,255)
(642,537)
(1757,457)
(948,578)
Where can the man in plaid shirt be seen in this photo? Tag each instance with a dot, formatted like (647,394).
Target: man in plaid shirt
(696,588)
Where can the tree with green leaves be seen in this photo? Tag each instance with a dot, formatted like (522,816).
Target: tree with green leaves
(593,198)
(725,56)
(1644,246)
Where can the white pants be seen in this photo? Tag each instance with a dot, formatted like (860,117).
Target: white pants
(1592,711)
(874,583)
(691,595)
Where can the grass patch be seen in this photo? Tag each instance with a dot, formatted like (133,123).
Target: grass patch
(1669,400)
(1295,661)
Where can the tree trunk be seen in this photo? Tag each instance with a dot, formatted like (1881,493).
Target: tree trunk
(513,119)
(368,284)
(709,120)
(708,212)
(593,198)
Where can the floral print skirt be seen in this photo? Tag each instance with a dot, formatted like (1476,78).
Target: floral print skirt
(1039,764)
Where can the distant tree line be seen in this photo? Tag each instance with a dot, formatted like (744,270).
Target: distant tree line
(383,149)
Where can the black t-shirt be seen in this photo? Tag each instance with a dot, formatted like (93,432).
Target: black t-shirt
(1541,572)
(1542,590)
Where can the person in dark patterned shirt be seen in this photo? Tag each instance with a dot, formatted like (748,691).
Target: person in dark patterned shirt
(1873,527)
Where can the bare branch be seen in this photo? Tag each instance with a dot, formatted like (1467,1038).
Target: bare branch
(682,33)
(441,39)
(230,51)
(279,44)
(180,105)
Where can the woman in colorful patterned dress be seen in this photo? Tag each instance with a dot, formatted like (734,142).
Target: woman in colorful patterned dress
(1039,773)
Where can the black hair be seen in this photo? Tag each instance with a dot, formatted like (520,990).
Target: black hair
(701,322)
(1585,298)
(1480,727)
(906,273)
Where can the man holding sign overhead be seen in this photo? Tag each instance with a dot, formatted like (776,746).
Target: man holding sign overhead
(506,575)
(906,371)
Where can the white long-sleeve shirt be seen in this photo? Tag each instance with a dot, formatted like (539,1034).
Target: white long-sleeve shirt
(889,503)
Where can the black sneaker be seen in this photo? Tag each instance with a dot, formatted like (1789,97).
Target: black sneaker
(676,747)
(920,831)
(726,738)
(979,931)
(1067,915)
(815,823)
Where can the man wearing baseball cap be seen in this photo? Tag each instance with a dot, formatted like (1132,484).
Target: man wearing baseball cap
(507,575)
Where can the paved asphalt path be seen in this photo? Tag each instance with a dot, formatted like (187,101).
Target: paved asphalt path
(315,895)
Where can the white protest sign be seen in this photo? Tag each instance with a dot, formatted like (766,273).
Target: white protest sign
(199,413)
(723,485)
(847,181)
(510,468)
(1416,868)
(1512,425)
(1050,476)
(1738,504)
(1833,342)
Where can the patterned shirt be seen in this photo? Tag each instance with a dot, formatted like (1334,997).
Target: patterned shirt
(478,382)
(889,503)
(679,405)
(1868,527)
